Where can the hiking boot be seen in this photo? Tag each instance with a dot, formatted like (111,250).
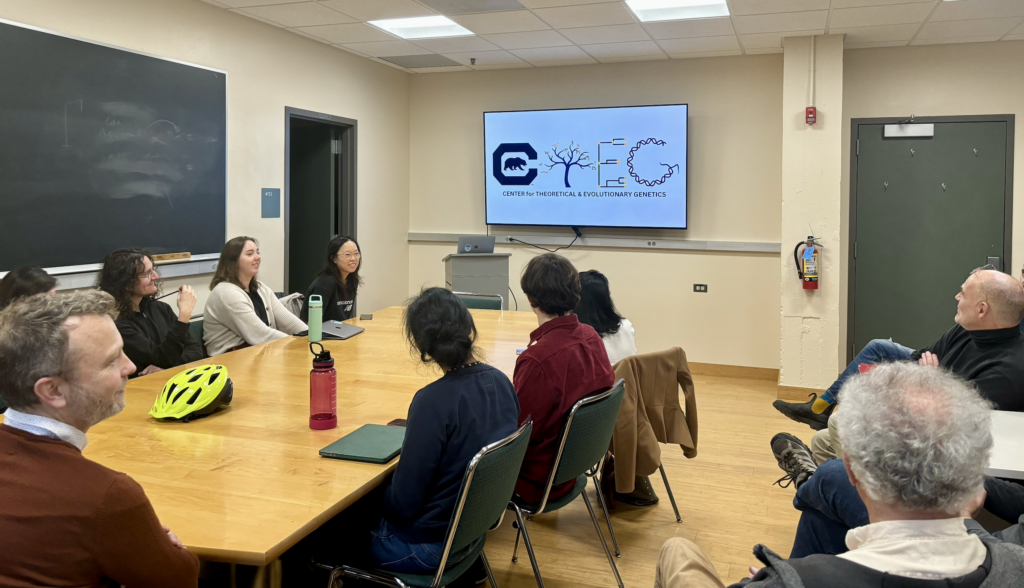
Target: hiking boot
(794,458)
(801,412)
(642,494)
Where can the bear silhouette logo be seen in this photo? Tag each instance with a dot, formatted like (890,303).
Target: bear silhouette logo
(515,163)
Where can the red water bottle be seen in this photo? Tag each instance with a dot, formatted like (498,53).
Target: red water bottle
(323,390)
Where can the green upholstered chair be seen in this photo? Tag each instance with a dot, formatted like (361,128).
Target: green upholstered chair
(584,442)
(483,498)
(195,330)
(481,301)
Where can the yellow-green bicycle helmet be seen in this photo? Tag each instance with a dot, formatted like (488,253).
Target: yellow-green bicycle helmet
(194,393)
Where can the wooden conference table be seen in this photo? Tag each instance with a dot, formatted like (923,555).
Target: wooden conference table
(245,484)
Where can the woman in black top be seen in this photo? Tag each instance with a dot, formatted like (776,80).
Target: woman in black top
(450,420)
(155,337)
(337,282)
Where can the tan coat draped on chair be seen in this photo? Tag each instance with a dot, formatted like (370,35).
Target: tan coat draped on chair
(651,414)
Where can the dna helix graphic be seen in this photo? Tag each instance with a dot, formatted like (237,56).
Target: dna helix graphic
(639,180)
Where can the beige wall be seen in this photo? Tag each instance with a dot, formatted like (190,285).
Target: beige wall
(269,69)
(734,185)
(934,80)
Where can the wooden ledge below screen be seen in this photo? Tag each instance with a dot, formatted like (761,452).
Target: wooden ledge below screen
(172,256)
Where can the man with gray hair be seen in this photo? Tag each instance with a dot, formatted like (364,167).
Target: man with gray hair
(917,442)
(66,520)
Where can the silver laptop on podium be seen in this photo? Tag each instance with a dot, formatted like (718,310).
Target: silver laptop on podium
(476,244)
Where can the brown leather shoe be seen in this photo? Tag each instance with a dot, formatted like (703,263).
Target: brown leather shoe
(642,494)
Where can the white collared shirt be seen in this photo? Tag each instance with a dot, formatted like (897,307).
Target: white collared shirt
(930,550)
(45,427)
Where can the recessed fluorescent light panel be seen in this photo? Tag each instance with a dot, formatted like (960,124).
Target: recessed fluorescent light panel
(423,27)
(656,10)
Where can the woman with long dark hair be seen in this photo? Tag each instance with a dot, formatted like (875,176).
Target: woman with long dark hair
(155,336)
(242,311)
(597,309)
(338,282)
(472,405)
(25,281)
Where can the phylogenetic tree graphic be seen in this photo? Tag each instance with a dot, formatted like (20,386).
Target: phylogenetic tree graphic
(568,157)
(629,164)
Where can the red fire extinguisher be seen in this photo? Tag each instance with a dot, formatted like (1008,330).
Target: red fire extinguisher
(807,262)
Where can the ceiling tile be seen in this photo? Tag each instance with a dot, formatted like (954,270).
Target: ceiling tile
(700,45)
(706,54)
(309,36)
(379,9)
(975,9)
(551,3)
(587,61)
(966,28)
(626,58)
(442,69)
(549,54)
(386,48)
(421,60)
(855,3)
(485,58)
(456,44)
(303,14)
(773,40)
(347,33)
(874,45)
(700,27)
(903,32)
(503,65)
(944,41)
(610,34)
(744,7)
(469,6)
(763,50)
(246,3)
(634,48)
(528,40)
(215,3)
(254,17)
(1014,37)
(791,21)
(591,15)
(869,16)
(501,22)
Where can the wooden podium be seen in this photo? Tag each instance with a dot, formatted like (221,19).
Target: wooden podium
(478,273)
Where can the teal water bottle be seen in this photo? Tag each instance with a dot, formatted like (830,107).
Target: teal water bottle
(316,318)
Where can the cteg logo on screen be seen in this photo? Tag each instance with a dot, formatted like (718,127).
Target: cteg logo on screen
(513,163)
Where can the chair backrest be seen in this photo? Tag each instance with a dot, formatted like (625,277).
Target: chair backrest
(195,330)
(586,435)
(481,301)
(486,489)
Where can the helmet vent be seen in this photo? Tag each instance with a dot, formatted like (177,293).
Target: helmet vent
(179,395)
(194,378)
(213,378)
(171,390)
(194,397)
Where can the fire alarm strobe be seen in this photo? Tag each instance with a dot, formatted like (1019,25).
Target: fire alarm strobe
(812,115)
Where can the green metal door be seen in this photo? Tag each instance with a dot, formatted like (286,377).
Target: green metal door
(928,210)
(311,203)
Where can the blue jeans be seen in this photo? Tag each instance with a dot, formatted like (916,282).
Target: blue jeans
(875,352)
(393,554)
(831,507)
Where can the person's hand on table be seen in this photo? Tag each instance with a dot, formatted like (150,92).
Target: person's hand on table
(929,359)
(753,572)
(174,538)
(150,370)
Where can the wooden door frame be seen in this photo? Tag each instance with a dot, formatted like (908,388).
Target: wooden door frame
(855,123)
(347,207)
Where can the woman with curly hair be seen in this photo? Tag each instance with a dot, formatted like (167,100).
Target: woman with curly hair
(155,337)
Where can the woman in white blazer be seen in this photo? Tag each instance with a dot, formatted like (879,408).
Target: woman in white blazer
(242,311)
(597,310)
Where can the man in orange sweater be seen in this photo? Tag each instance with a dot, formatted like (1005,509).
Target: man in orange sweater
(65,520)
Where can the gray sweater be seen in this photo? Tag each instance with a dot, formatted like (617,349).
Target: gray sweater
(1005,569)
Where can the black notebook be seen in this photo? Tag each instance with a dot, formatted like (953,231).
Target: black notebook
(368,443)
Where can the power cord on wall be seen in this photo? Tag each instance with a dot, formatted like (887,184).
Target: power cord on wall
(574,229)
(513,297)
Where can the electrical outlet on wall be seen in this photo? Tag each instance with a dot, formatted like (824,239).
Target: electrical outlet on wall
(702,288)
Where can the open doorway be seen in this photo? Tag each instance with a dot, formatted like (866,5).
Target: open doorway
(320,190)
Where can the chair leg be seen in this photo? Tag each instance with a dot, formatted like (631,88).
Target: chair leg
(515,552)
(604,507)
(597,527)
(529,546)
(668,489)
(487,566)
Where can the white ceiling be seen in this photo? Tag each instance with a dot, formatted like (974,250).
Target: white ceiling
(537,33)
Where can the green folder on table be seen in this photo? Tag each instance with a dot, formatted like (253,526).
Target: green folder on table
(368,443)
